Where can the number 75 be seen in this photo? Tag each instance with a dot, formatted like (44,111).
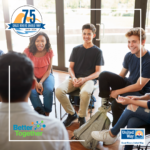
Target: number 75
(31,14)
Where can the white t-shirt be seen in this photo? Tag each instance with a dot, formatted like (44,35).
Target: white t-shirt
(26,124)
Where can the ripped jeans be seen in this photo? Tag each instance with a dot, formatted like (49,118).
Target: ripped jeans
(132,117)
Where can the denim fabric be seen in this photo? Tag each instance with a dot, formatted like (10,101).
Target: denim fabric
(48,86)
(132,119)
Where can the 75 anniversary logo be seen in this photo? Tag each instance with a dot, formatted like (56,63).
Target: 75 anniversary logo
(26,21)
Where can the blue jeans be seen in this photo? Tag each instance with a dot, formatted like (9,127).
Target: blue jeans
(48,86)
(132,120)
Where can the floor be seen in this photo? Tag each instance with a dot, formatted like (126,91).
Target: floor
(59,78)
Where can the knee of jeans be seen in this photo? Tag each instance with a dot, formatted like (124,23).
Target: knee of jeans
(48,90)
(131,123)
(132,107)
(47,93)
(84,95)
(33,93)
(103,75)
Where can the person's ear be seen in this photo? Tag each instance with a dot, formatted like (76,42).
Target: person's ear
(143,42)
(94,35)
(33,84)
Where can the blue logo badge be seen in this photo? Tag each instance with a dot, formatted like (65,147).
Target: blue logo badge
(26,21)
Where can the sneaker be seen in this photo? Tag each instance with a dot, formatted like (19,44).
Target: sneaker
(70,119)
(40,111)
(82,120)
(105,104)
(104,136)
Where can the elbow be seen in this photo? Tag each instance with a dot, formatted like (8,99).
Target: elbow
(139,88)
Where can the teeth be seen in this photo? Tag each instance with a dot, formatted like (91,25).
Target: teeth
(132,48)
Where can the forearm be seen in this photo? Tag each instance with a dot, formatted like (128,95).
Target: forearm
(130,88)
(140,103)
(71,72)
(45,76)
(35,80)
(92,76)
(145,97)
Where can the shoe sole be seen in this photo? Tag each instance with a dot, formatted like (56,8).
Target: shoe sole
(71,122)
(110,143)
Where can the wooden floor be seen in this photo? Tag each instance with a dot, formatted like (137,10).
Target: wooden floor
(59,78)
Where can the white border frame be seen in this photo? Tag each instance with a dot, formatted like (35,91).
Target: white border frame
(66,140)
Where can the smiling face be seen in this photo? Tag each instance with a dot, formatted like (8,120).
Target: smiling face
(40,43)
(134,44)
(88,36)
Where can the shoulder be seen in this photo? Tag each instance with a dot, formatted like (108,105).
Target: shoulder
(97,49)
(146,59)
(148,54)
(50,53)
(26,51)
(129,55)
(78,47)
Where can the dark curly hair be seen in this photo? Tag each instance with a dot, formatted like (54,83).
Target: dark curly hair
(32,47)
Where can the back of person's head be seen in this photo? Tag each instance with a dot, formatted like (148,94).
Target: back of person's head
(21,76)
(89,26)
(137,31)
(32,46)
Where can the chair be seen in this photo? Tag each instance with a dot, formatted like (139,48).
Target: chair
(77,93)
(54,103)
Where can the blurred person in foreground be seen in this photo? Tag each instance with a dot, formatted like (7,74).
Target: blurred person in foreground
(25,123)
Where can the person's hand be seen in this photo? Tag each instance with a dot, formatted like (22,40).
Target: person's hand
(75,82)
(134,97)
(123,100)
(81,81)
(39,88)
(114,94)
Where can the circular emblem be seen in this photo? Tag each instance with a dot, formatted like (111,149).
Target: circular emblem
(139,134)
(26,21)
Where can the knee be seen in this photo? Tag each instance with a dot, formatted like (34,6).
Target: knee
(48,88)
(132,107)
(103,75)
(131,123)
(33,93)
(85,95)
(58,93)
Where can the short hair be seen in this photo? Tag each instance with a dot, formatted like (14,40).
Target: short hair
(21,76)
(89,26)
(32,47)
(136,31)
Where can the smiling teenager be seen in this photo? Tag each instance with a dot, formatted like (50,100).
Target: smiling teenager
(119,84)
(85,66)
(41,54)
